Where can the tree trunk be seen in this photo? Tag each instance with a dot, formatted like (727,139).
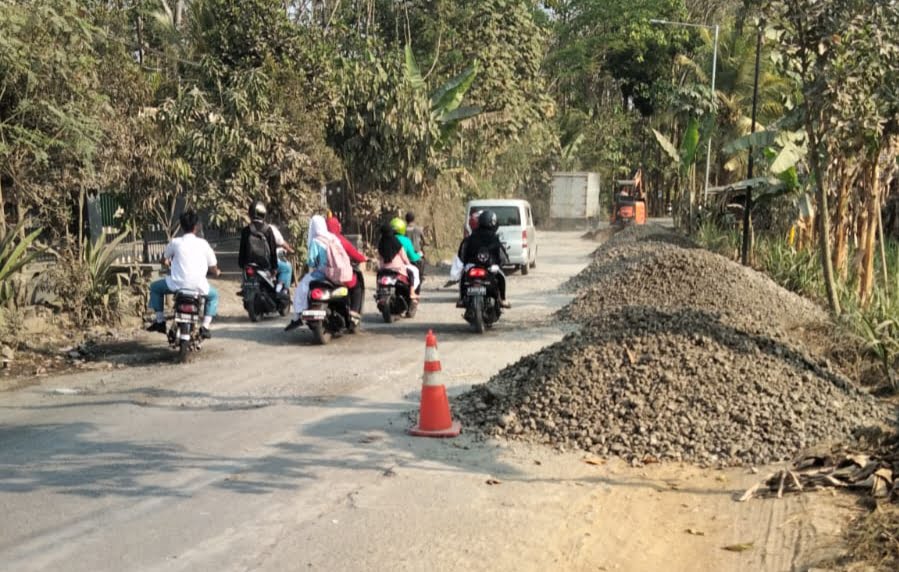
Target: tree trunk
(840,225)
(866,284)
(2,209)
(823,217)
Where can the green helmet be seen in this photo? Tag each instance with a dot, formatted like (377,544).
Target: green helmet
(398,225)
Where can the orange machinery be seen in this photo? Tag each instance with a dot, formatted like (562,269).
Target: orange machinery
(629,206)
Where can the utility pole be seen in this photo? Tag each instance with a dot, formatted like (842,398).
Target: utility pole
(747,208)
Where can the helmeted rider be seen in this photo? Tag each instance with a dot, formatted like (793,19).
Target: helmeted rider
(399,227)
(485,239)
(259,244)
(190,259)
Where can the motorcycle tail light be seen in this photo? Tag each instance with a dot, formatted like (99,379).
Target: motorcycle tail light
(387,281)
(477,273)
(317,294)
(250,271)
(187,308)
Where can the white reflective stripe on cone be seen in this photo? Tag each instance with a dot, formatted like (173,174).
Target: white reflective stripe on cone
(431,378)
(431,354)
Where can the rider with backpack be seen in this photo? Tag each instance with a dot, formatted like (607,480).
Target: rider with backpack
(258,244)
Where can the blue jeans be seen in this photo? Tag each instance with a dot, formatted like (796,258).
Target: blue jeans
(285,272)
(160,288)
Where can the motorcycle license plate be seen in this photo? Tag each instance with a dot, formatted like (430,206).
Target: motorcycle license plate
(314,314)
(186,318)
(475,290)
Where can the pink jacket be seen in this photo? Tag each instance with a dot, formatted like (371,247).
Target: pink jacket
(398,264)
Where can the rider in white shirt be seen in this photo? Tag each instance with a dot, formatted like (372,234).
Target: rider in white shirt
(190,259)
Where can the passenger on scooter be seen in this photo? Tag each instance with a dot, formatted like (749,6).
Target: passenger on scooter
(399,228)
(190,259)
(356,292)
(392,256)
(318,243)
(285,268)
(486,239)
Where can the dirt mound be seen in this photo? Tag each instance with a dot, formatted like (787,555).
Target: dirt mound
(683,355)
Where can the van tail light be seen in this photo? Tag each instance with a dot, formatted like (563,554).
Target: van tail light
(524,238)
(477,273)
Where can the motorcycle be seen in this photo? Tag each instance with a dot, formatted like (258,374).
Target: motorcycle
(328,312)
(260,295)
(184,334)
(394,295)
(480,295)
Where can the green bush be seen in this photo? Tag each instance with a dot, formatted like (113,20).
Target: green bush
(796,270)
(15,253)
(87,283)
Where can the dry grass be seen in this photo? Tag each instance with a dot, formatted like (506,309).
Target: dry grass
(873,540)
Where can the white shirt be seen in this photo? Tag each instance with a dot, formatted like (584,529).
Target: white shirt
(191,258)
(279,238)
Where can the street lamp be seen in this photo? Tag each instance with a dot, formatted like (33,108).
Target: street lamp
(708,155)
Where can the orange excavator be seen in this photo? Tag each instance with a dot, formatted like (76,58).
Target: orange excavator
(628,203)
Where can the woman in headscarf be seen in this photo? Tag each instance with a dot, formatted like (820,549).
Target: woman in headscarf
(392,256)
(357,288)
(318,242)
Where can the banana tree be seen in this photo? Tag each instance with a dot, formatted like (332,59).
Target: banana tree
(446,102)
(683,157)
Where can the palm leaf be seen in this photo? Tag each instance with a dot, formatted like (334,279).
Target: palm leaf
(667,146)
(690,143)
(413,74)
(757,140)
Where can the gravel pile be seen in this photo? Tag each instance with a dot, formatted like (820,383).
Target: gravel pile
(654,267)
(682,356)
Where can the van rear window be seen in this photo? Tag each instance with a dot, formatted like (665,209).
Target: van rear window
(505,216)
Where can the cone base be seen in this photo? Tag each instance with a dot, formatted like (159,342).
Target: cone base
(452,431)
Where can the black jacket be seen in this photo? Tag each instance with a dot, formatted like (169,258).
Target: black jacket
(245,244)
(487,240)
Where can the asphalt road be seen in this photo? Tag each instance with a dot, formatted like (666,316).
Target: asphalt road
(268,452)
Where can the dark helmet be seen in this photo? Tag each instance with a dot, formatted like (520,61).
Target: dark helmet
(487,220)
(257,210)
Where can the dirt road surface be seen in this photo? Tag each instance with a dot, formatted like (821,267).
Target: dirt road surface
(274,454)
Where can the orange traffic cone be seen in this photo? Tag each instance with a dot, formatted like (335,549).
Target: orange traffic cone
(434,418)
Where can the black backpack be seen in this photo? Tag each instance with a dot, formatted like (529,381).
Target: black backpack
(258,247)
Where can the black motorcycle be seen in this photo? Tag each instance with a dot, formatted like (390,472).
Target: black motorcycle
(328,313)
(260,295)
(480,296)
(184,334)
(394,295)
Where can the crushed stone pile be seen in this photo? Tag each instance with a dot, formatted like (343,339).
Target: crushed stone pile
(682,355)
(657,268)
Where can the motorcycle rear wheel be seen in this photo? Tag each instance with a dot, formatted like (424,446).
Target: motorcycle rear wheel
(251,309)
(477,312)
(387,312)
(184,351)
(321,335)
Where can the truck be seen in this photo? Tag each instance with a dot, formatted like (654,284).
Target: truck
(574,199)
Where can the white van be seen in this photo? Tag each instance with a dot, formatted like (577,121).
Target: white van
(516,229)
